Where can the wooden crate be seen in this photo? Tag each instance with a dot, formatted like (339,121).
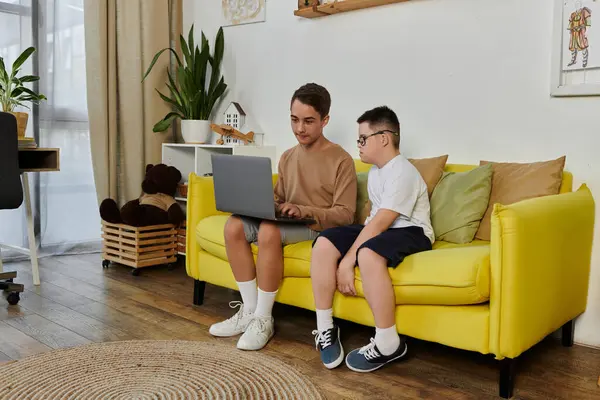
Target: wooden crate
(139,247)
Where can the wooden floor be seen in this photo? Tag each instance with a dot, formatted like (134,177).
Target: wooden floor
(79,302)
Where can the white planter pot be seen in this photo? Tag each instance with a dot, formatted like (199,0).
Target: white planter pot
(196,131)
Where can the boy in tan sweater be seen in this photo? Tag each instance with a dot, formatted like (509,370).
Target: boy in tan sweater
(317,179)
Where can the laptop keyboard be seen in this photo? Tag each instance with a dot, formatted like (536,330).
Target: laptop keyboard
(286,218)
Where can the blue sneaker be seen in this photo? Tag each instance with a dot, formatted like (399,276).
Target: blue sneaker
(329,345)
(368,358)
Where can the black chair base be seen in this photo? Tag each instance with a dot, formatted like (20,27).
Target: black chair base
(11,289)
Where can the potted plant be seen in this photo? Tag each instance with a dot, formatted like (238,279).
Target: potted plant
(194,86)
(13,92)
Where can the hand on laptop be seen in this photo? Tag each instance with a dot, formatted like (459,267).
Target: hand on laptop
(289,210)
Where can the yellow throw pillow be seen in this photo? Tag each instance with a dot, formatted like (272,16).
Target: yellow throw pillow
(514,182)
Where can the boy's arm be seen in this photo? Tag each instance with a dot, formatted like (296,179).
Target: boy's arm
(398,198)
(380,223)
(278,191)
(344,201)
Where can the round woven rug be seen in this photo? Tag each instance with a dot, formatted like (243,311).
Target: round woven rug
(153,370)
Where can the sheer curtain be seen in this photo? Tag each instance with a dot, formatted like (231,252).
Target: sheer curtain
(65,205)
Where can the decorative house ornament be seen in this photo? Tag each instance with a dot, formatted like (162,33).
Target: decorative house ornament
(235,116)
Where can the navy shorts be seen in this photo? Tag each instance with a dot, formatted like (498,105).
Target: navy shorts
(394,244)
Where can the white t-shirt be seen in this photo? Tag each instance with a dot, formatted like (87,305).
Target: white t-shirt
(399,187)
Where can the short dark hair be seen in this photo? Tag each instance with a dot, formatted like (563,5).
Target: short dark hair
(315,96)
(384,116)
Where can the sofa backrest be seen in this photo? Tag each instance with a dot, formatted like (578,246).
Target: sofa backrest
(565,187)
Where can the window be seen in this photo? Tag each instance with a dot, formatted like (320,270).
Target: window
(64,202)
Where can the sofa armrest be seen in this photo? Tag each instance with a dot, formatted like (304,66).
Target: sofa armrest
(540,256)
(200,204)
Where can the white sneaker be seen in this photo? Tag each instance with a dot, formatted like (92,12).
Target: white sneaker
(258,333)
(234,325)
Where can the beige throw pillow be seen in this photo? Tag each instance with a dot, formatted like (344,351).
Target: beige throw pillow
(431,169)
(514,182)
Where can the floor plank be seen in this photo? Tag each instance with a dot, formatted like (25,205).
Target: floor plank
(16,344)
(79,302)
(47,332)
(7,312)
(87,327)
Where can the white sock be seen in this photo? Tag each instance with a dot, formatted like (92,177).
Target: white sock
(387,340)
(324,320)
(264,305)
(249,293)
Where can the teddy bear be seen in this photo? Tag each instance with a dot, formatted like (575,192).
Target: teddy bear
(156,205)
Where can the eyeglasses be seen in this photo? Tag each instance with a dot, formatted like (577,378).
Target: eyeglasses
(362,140)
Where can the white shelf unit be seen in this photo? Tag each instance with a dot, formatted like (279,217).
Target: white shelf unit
(195,158)
(188,158)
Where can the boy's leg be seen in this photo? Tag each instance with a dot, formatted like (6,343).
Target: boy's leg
(327,251)
(379,292)
(271,238)
(377,286)
(239,233)
(375,256)
(323,269)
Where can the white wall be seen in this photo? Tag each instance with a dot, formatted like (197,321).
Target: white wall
(468,78)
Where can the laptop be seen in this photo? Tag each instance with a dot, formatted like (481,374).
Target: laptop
(244,186)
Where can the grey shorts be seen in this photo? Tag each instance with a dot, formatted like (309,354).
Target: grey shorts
(290,233)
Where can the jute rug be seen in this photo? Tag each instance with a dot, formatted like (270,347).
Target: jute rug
(153,370)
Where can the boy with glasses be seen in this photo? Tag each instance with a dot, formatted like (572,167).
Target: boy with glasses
(399,225)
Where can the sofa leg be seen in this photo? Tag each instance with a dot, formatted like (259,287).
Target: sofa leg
(507,377)
(568,331)
(199,287)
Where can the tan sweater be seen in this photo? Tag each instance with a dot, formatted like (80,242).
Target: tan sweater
(322,184)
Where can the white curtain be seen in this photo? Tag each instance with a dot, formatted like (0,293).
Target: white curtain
(65,204)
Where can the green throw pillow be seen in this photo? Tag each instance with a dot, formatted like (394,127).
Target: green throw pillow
(362,197)
(458,203)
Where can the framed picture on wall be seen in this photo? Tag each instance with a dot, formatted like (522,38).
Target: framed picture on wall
(576,49)
(239,12)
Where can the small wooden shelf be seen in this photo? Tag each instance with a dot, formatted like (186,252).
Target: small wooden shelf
(39,160)
(340,7)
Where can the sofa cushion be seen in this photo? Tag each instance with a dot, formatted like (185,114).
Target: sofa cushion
(363,208)
(431,170)
(455,275)
(514,182)
(450,274)
(458,203)
(209,235)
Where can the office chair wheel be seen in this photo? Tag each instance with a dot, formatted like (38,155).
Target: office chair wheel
(135,272)
(105,264)
(13,298)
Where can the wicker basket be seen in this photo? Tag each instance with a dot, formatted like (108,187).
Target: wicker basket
(139,247)
(183,189)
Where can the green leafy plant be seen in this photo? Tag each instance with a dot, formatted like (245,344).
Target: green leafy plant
(194,91)
(13,92)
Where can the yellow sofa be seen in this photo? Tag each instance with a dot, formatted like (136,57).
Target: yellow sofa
(499,297)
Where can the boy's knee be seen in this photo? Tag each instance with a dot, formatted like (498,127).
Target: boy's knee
(323,248)
(368,258)
(234,229)
(268,234)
